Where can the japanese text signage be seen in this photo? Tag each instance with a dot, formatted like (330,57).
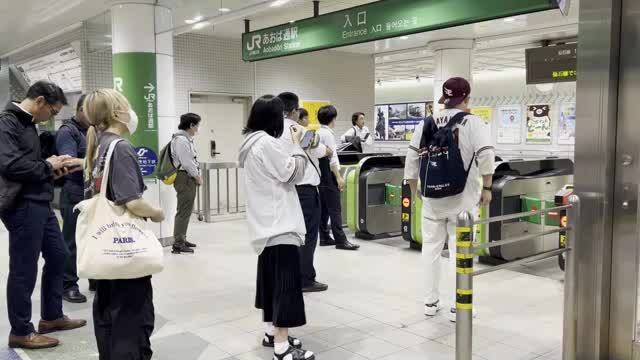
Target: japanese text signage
(552,64)
(134,75)
(378,20)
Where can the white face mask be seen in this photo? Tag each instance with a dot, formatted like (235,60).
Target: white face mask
(132,125)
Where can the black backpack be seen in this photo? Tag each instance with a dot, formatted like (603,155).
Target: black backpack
(442,171)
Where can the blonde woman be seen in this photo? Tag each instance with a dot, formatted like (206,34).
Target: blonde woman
(123,311)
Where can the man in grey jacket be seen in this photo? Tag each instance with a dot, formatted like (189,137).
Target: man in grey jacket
(188,179)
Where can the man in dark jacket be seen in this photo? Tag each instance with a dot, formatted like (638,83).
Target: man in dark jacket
(71,141)
(32,225)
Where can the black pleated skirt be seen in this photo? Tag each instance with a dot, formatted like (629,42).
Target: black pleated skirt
(279,287)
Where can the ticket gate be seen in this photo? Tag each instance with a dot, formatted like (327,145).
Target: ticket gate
(375,187)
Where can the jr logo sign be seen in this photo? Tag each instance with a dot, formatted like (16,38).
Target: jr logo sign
(256,42)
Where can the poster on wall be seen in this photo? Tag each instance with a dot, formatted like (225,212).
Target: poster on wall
(485,113)
(429,106)
(382,122)
(312,106)
(567,124)
(539,124)
(509,125)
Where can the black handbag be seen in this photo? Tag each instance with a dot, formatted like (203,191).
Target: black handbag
(8,192)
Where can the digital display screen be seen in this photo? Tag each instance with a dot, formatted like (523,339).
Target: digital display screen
(552,64)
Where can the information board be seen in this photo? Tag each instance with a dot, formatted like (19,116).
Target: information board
(552,64)
(62,68)
(378,20)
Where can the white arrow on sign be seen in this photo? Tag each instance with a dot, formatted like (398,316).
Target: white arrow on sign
(149,87)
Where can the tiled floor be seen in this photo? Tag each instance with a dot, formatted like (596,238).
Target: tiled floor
(204,306)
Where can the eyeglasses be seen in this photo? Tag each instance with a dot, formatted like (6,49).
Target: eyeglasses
(53,111)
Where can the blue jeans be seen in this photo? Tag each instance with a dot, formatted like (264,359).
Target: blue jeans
(33,229)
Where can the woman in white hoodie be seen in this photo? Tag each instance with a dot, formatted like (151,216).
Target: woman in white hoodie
(276,223)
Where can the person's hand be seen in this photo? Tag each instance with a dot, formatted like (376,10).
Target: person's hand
(73,163)
(58,162)
(340,180)
(485,198)
(329,152)
(158,217)
(296,133)
(57,174)
(199,181)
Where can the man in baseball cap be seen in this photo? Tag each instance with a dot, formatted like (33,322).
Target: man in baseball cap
(439,214)
(454,91)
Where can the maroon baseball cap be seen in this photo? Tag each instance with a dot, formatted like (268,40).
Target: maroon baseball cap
(454,91)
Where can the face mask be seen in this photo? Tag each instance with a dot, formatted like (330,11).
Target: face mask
(132,125)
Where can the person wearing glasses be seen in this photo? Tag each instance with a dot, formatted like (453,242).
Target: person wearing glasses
(32,225)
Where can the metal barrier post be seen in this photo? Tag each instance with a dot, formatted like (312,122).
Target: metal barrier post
(206,195)
(569,326)
(464,286)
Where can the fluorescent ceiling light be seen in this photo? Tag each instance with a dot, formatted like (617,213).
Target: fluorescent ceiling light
(278,3)
(224,9)
(201,25)
(194,20)
(510,19)
(404,37)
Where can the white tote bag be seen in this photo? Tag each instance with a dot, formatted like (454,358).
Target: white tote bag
(113,243)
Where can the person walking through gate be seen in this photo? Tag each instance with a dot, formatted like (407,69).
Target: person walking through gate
(472,136)
(32,225)
(185,159)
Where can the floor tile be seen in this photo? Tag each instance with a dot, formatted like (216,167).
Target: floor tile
(372,348)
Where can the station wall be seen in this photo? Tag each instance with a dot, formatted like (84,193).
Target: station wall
(493,90)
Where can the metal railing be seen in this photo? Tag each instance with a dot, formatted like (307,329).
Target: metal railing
(465,250)
(204,210)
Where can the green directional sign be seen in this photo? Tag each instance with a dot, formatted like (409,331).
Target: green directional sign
(378,20)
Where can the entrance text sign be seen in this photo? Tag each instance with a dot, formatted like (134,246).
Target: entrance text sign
(134,75)
(378,20)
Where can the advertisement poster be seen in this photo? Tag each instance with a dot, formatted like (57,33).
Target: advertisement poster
(485,113)
(382,121)
(312,106)
(509,125)
(567,124)
(539,124)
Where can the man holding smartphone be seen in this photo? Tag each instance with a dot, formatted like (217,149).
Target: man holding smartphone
(307,191)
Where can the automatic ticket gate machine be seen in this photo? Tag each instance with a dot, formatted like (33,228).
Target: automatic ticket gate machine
(349,161)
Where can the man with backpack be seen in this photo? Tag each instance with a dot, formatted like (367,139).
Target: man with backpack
(71,141)
(453,156)
(28,216)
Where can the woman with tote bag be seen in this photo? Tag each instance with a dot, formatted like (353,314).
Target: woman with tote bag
(123,311)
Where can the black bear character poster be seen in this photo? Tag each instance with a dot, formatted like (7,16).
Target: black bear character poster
(539,124)
(382,122)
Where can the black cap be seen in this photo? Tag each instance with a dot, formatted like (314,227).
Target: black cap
(455,91)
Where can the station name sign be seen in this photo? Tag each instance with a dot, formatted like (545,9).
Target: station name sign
(378,20)
(551,64)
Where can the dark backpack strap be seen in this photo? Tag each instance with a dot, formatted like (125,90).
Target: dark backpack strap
(425,127)
(456,119)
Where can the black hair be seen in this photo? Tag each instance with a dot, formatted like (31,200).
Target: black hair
(327,114)
(355,116)
(189,120)
(303,113)
(80,104)
(267,114)
(51,93)
(290,101)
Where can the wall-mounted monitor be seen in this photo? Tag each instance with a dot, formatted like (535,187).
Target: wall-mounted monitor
(62,67)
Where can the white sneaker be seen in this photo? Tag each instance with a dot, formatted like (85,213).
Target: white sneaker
(452,314)
(432,309)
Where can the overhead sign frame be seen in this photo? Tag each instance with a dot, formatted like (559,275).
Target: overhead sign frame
(377,21)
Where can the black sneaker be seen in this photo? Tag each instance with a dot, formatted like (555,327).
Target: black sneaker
(314,287)
(181,248)
(295,354)
(190,244)
(268,341)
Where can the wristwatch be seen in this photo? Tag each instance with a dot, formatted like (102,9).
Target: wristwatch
(487,188)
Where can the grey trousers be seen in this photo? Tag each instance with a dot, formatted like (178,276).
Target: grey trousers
(186,187)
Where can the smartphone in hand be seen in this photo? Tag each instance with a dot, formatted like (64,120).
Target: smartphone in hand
(307,139)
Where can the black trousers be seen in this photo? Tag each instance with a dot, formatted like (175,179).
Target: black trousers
(331,209)
(310,203)
(33,229)
(69,223)
(123,317)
